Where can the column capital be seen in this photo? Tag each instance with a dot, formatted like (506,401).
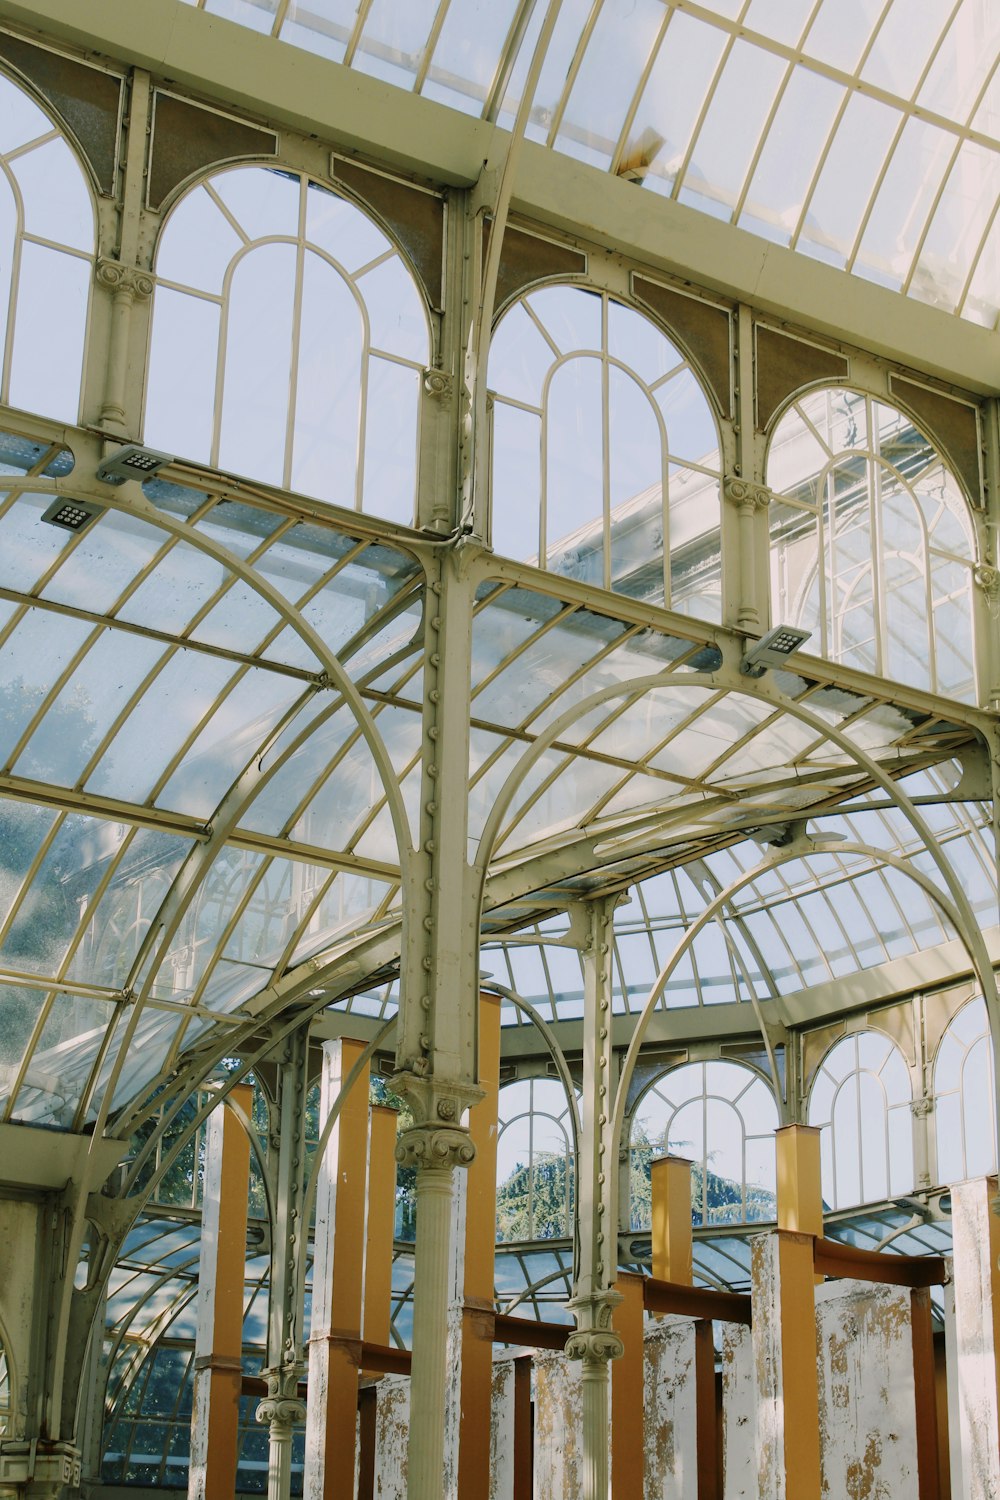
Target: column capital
(122,278)
(281,1411)
(429,1145)
(745,494)
(594,1338)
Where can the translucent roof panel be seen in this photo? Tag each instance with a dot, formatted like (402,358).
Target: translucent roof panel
(864,134)
(189,806)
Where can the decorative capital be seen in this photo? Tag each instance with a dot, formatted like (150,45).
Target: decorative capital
(122,278)
(745,494)
(921,1108)
(435,1146)
(281,1411)
(439,384)
(594,1337)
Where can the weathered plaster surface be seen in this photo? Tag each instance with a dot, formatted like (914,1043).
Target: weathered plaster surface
(868,1433)
(671,1455)
(972,1363)
(558,1427)
(739,1413)
(766,1345)
(502,1429)
(392,1431)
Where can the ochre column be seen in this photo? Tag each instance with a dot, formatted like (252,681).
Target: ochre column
(338,1275)
(221,1280)
(480,1247)
(627,1433)
(673,1241)
(381,1224)
(800,1191)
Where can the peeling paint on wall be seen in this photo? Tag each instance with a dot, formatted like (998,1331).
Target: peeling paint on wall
(973,1340)
(739,1413)
(868,1432)
(671,1447)
(392,1431)
(558,1427)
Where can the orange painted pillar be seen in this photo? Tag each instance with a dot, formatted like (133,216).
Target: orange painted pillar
(221,1282)
(800,1191)
(377,1319)
(338,1278)
(480,1243)
(627,1433)
(673,1241)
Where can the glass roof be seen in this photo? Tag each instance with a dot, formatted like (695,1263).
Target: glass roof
(191,806)
(862,133)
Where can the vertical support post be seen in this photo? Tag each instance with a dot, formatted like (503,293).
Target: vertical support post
(338,1278)
(800,1191)
(281,1408)
(377,1323)
(221,1281)
(784,1345)
(595,1342)
(924,1385)
(628,1441)
(673,1240)
(523,1436)
(709,1437)
(480,1250)
(367,1420)
(974,1373)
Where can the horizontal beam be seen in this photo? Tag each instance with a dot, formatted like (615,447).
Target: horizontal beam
(663,1297)
(290,87)
(847,1262)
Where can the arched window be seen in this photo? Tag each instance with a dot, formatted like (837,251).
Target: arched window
(964,1097)
(860,1100)
(721,1116)
(288,342)
(47,236)
(534,1161)
(605,451)
(871,542)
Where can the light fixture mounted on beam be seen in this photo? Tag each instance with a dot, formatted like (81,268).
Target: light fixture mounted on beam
(72,515)
(132,462)
(773,649)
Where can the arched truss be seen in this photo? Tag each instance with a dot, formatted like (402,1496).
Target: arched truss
(605,450)
(47,247)
(281,742)
(302,338)
(872,543)
(860,1099)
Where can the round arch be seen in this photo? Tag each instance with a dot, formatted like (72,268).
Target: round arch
(304,334)
(873,544)
(859,1098)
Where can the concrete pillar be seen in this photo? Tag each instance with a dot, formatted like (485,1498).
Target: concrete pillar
(974,1342)
(338,1278)
(672,1239)
(477,1372)
(739,1413)
(670,1439)
(784,1346)
(869,1439)
(221,1295)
